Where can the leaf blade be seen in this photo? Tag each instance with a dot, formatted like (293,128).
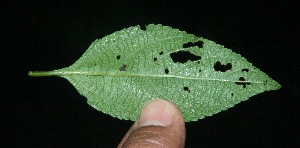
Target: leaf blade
(124,70)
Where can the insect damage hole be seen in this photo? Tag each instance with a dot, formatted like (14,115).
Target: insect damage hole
(191,44)
(160,53)
(123,67)
(185,88)
(155,59)
(223,68)
(243,82)
(183,56)
(118,57)
(245,69)
(143,27)
(166,71)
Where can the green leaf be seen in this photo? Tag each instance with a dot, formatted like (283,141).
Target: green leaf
(121,72)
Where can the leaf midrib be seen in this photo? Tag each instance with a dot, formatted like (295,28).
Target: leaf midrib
(124,74)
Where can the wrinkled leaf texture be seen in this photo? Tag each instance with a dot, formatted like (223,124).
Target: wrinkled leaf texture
(119,73)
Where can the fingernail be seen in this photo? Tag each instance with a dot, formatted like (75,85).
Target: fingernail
(156,112)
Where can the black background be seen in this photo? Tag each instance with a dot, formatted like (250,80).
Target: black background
(49,112)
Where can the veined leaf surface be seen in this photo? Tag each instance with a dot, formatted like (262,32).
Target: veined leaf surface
(119,73)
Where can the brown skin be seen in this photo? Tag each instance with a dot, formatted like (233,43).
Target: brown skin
(160,125)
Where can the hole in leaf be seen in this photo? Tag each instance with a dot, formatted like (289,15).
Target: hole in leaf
(118,57)
(243,82)
(219,67)
(143,27)
(245,69)
(199,70)
(123,67)
(191,44)
(185,88)
(166,71)
(232,94)
(198,62)
(183,56)
(154,59)
(160,53)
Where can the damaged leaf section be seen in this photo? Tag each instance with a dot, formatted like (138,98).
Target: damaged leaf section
(183,56)
(123,67)
(121,72)
(245,70)
(118,57)
(191,44)
(166,71)
(185,88)
(243,82)
(223,68)
(143,27)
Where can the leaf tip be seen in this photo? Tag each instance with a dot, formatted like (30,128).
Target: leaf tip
(277,85)
(273,84)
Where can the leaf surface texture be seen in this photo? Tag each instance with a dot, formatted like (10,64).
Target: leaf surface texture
(119,73)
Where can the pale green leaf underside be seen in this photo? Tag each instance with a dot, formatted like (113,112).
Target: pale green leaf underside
(119,73)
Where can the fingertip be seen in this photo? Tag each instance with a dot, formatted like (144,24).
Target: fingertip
(160,124)
(157,112)
(163,113)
